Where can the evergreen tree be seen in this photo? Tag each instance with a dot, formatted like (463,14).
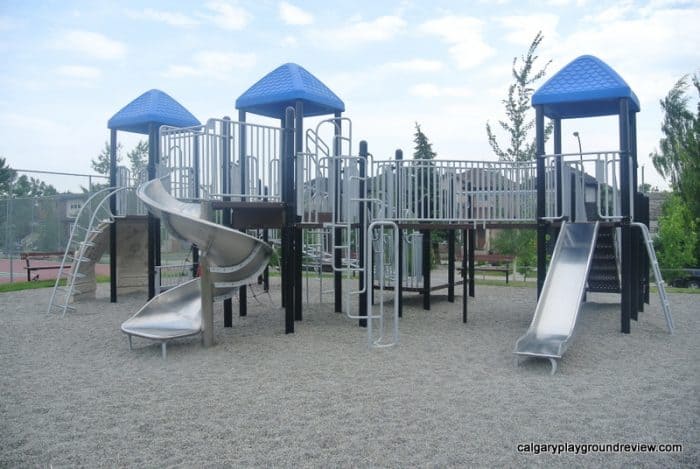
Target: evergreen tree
(517,104)
(100,164)
(423,149)
(138,158)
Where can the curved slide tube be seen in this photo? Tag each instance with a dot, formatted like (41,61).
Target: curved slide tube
(553,324)
(231,257)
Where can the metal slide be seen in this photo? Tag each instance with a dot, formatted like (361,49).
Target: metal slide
(233,258)
(560,302)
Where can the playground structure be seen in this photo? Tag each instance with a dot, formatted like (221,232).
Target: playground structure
(326,205)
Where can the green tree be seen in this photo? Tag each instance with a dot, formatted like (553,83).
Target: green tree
(518,243)
(7,175)
(138,158)
(678,158)
(100,164)
(678,235)
(522,146)
(423,152)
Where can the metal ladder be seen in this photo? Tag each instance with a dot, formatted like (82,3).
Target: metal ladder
(83,231)
(660,284)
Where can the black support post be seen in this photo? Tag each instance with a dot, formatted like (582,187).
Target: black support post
(451,266)
(287,260)
(362,235)
(243,164)
(113,209)
(426,269)
(153,222)
(626,245)
(398,156)
(337,233)
(541,223)
(226,189)
(298,238)
(465,249)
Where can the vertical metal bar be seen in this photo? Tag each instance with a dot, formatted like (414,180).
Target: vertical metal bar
(226,189)
(541,223)
(298,238)
(451,266)
(465,249)
(398,156)
(153,225)
(426,269)
(112,226)
(362,241)
(287,230)
(337,233)
(626,245)
(195,164)
(243,165)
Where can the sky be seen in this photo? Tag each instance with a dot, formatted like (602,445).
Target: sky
(68,66)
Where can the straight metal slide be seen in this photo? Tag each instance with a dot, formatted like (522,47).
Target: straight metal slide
(553,324)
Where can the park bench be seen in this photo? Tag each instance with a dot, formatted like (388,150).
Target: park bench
(28,257)
(495,263)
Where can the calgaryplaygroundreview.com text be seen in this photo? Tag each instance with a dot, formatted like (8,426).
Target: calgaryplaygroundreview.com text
(585,448)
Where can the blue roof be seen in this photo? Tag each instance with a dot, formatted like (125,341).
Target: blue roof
(152,107)
(285,85)
(586,87)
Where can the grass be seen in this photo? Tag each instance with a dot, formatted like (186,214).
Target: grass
(18,286)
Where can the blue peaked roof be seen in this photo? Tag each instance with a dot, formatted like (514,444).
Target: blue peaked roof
(152,107)
(586,87)
(282,87)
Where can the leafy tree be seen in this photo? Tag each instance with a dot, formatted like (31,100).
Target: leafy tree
(7,175)
(518,243)
(522,146)
(31,187)
(423,151)
(678,235)
(678,158)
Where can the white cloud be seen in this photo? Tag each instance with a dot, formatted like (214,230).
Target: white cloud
(213,64)
(358,32)
(463,34)
(524,28)
(415,65)
(79,72)
(292,14)
(93,45)
(227,15)
(168,17)
(429,90)
(290,41)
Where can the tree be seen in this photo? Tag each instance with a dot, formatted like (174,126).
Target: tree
(678,235)
(138,158)
(423,149)
(518,243)
(7,175)
(521,147)
(678,158)
(100,164)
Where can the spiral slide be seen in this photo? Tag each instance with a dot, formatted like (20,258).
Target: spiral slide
(232,257)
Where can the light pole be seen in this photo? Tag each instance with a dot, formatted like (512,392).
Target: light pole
(578,137)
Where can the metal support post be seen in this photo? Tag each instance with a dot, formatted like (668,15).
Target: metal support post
(426,269)
(362,235)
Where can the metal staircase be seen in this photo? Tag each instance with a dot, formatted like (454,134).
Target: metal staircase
(604,275)
(94,216)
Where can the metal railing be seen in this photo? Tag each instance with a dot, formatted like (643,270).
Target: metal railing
(208,160)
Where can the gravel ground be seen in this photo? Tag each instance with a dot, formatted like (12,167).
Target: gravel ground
(448,395)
